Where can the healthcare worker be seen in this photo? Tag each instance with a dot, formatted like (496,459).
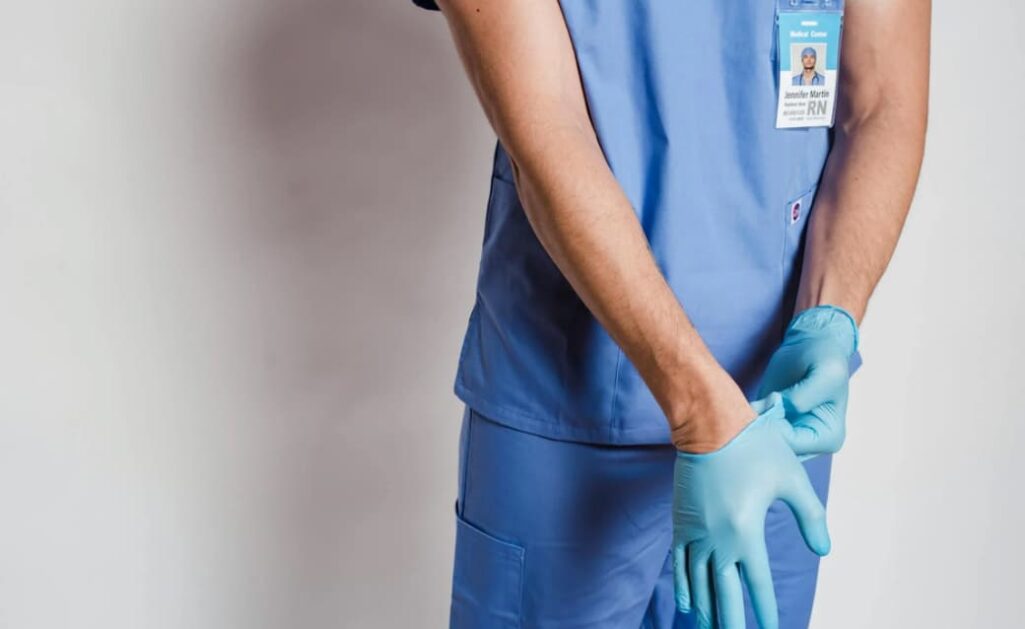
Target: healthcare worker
(808,75)
(656,364)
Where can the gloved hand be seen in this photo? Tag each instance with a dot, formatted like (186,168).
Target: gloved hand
(720,501)
(811,370)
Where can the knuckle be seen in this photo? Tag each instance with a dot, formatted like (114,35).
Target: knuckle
(724,566)
(834,369)
(816,513)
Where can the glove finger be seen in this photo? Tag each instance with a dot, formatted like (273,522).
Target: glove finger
(808,509)
(729,597)
(758,577)
(681,584)
(700,592)
(820,431)
(818,386)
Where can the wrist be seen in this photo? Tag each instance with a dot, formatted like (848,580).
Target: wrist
(852,306)
(830,320)
(714,412)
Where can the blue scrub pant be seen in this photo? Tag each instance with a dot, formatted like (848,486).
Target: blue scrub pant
(564,534)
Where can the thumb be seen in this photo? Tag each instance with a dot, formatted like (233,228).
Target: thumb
(820,431)
(810,514)
(805,441)
(817,387)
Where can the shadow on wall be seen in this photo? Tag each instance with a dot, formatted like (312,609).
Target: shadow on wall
(359,111)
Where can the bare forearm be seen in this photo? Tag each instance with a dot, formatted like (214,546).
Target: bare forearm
(873,168)
(589,228)
(859,213)
(520,61)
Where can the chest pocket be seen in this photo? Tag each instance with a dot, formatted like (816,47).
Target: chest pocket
(795,220)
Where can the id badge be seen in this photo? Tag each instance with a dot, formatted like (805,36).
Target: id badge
(808,34)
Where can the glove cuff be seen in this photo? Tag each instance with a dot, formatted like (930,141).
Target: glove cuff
(835,320)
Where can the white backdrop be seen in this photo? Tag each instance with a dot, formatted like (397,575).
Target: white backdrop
(238,242)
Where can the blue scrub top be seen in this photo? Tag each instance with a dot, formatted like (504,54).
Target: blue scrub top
(818,79)
(683,98)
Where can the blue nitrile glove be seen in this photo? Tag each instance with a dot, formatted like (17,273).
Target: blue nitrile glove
(811,370)
(720,500)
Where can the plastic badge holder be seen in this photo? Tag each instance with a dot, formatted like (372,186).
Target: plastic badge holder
(808,44)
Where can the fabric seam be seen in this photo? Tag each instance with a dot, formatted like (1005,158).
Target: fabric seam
(615,392)
(466,461)
(533,424)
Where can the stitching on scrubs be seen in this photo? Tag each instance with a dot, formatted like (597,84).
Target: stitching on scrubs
(472,320)
(788,224)
(466,459)
(523,581)
(501,414)
(781,324)
(615,392)
(488,217)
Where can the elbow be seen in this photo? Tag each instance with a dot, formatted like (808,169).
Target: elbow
(540,153)
(903,118)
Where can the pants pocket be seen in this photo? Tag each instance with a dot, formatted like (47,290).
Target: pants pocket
(487,579)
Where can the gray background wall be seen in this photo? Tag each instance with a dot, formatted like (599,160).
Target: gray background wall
(238,241)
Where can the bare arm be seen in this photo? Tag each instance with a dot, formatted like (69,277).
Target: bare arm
(519,58)
(873,167)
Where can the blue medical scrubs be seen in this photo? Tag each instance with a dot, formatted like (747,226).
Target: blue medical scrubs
(563,515)
(818,79)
